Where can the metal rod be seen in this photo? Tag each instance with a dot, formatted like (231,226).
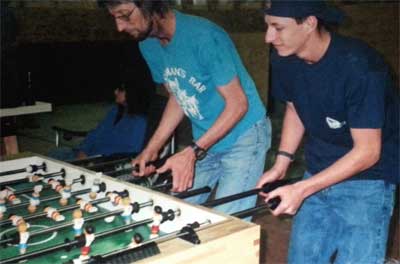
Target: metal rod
(32,168)
(28,190)
(251,211)
(50,198)
(231,198)
(44,176)
(75,242)
(107,163)
(167,185)
(169,236)
(4,173)
(71,223)
(61,209)
(266,188)
(194,192)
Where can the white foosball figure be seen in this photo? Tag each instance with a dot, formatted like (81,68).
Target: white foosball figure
(34,200)
(23,237)
(127,213)
(3,208)
(78,221)
(9,195)
(86,206)
(54,214)
(65,195)
(95,189)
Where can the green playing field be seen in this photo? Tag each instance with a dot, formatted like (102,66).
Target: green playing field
(101,245)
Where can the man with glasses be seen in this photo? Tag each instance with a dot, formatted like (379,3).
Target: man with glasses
(198,64)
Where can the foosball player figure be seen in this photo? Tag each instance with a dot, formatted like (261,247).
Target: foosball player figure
(89,238)
(16,220)
(157,219)
(127,213)
(78,221)
(3,208)
(86,206)
(34,178)
(95,189)
(54,214)
(65,195)
(114,198)
(23,237)
(55,185)
(34,200)
(136,241)
(9,195)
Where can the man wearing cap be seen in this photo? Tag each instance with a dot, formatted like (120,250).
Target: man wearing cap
(339,95)
(198,64)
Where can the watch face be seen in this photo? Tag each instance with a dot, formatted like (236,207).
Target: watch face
(200,154)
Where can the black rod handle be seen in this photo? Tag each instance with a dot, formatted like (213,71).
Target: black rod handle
(194,192)
(231,198)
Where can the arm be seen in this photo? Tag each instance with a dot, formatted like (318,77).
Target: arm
(364,154)
(182,164)
(235,108)
(292,134)
(170,119)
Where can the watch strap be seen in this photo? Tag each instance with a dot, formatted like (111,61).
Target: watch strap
(286,154)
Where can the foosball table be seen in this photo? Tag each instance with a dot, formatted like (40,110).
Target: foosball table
(55,212)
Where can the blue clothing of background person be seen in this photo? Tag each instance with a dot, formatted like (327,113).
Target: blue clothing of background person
(198,64)
(118,133)
(341,98)
(110,137)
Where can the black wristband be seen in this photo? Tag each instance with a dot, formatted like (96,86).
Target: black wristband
(286,154)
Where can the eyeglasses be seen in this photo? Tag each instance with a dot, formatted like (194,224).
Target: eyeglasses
(126,17)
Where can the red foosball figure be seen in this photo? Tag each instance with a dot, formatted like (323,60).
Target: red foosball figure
(89,238)
(157,219)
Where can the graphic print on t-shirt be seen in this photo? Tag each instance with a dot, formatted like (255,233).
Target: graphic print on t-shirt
(189,104)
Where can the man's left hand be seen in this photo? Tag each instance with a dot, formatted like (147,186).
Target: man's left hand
(292,196)
(182,168)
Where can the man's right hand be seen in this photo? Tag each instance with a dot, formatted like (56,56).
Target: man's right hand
(145,157)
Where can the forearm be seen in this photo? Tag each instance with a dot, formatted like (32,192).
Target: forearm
(291,136)
(360,158)
(236,106)
(170,119)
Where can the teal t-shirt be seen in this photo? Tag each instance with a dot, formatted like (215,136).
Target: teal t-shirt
(199,58)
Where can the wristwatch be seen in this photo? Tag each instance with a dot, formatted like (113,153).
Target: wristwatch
(288,155)
(199,152)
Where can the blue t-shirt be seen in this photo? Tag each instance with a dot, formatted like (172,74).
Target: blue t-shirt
(350,87)
(126,136)
(199,58)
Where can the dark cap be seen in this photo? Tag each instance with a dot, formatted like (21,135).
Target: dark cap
(304,8)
